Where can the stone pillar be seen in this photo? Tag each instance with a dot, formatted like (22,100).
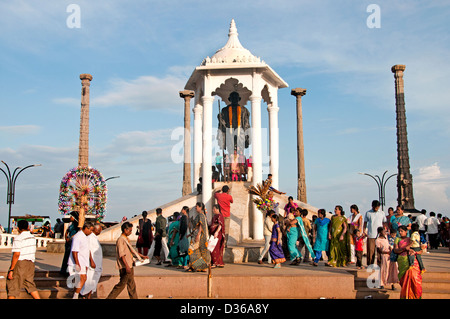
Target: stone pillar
(274,143)
(257,220)
(83,148)
(187,187)
(404,177)
(198,139)
(206,154)
(301,182)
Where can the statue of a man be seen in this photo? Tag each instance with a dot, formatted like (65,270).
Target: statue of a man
(234,124)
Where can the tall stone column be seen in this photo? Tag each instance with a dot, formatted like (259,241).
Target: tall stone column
(83,148)
(187,187)
(257,220)
(274,148)
(404,177)
(301,182)
(207,151)
(198,140)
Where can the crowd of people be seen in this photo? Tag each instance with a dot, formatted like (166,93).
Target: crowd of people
(232,167)
(393,242)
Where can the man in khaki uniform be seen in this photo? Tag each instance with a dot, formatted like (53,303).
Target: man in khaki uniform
(125,263)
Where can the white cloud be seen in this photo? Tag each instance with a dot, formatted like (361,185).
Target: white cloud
(431,187)
(142,93)
(142,159)
(20,130)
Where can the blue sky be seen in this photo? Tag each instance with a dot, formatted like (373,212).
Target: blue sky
(141,53)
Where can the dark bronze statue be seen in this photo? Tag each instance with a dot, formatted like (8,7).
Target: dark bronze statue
(234,126)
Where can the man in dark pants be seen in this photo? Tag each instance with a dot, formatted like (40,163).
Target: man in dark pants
(124,255)
(70,232)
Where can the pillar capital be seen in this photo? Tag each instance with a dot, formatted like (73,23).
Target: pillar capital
(206,99)
(298,92)
(255,98)
(272,108)
(85,76)
(398,68)
(187,94)
(198,109)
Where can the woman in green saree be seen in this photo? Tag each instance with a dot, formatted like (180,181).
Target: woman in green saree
(174,239)
(339,239)
(199,255)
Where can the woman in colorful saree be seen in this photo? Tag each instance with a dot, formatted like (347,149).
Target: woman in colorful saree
(276,248)
(339,240)
(217,229)
(409,275)
(199,256)
(355,221)
(174,239)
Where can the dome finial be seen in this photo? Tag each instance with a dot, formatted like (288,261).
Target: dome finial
(233,29)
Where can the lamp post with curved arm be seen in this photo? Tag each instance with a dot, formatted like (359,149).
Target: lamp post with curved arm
(11,179)
(381,183)
(111,178)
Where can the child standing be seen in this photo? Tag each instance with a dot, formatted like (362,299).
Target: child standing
(358,239)
(416,246)
(388,272)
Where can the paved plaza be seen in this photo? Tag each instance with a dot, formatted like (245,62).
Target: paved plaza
(316,282)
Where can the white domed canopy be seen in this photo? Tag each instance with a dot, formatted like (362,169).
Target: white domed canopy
(234,60)
(233,68)
(233,51)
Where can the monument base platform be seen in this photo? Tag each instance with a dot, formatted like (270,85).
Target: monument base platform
(235,281)
(246,252)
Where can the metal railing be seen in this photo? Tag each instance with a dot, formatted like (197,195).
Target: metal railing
(6,241)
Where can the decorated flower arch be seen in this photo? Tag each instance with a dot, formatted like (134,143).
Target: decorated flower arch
(83,183)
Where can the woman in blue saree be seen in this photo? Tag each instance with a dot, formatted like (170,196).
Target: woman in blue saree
(292,234)
(400,220)
(320,233)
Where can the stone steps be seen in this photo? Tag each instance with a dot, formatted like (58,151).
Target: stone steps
(435,285)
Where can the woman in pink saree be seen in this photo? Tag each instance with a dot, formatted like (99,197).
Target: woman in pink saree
(217,229)
(409,275)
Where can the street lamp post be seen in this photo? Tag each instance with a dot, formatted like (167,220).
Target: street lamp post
(381,183)
(111,178)
(12,178)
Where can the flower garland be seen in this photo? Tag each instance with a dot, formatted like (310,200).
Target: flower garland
(264,202)
(264,205)
(83,182)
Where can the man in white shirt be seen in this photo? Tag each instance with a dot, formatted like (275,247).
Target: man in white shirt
(93,274)
(433,229)
(420,220)
(80,258)
(21,271)
(373,219)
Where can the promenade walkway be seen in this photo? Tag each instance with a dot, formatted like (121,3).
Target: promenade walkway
(246,280)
